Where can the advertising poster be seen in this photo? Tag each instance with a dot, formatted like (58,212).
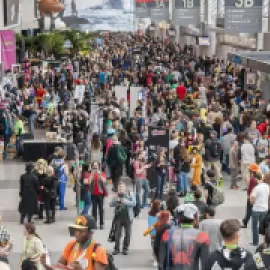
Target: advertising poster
(95,15)
(120,92)
(8,48)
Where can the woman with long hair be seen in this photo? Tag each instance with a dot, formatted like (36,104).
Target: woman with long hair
(152,219)
(162,225)
(96,149)
(33,247)
(85,189)
(40,172)
(161,170)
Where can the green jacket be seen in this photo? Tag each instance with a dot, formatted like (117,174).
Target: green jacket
(19,128)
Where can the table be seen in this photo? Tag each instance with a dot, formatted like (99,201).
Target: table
(36,149)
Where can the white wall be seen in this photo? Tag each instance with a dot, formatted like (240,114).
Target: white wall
(28,14)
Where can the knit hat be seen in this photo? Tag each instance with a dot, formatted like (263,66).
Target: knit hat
(188,210)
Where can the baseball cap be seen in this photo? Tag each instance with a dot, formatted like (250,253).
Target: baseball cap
(84,222)
(188,210)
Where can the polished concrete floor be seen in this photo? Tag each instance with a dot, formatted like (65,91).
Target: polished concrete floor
(56,236)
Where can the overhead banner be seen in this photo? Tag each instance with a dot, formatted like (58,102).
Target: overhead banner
(143,8)
(243,16)
(120,92)
(160,10)
(96,15)
(187,12)
(8,48)
(11,12)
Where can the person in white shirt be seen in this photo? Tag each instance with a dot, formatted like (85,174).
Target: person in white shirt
(247,157)
(259,198)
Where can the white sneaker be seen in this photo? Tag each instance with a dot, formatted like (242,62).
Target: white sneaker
(155,264)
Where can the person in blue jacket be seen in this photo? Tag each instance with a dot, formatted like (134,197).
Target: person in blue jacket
(61,172)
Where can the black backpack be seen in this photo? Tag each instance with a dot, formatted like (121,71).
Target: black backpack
(215,149)
(111,265)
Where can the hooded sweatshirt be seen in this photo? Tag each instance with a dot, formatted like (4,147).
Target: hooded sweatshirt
(225,258)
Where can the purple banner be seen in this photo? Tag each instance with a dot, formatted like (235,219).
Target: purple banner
(8,48)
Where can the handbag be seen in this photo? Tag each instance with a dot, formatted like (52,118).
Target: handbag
(111,238)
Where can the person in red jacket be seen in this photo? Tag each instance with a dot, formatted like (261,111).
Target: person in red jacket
(181,91)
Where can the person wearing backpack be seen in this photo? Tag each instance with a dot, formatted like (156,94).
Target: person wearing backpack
(213,153)
(231,255)
(116,159)
(184,246)
(83,253)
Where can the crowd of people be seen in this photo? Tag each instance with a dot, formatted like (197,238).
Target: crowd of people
(218,134)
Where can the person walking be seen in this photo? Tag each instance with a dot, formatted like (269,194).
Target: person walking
(61,172)
(256,176)
(33,247)
(161,172)
(247,158)
(85,189)
(211,226)
(50,184)
(259,198)
(99,191)
(96,149)
(29,191)
(226,144)
(184,240)
(82,249)
(123,203)
(231,255)
(213,153)
(196,167)
(141,181)
(233,164)
(116,159)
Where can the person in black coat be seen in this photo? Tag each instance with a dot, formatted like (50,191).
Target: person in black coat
(49,188)
(29,190)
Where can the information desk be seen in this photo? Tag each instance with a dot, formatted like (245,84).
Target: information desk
(35,149)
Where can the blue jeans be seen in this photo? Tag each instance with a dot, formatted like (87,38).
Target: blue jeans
(31,123)
(256,218)
(142,184)
(19,145)
(182,183)
(160,186)
(61,193)
(87,203)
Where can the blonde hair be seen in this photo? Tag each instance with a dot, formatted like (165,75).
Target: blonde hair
(41,162)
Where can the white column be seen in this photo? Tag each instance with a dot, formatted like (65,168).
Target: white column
(209,50)
(266,36)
